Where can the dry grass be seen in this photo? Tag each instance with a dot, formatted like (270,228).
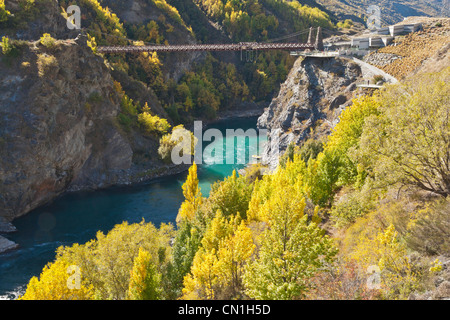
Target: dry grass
(45,63)
(416,48)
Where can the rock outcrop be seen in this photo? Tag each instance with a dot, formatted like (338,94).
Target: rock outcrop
(7,245)
(43,16)
(57,126)
(309,103)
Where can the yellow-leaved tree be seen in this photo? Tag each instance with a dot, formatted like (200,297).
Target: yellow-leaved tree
(58,281)
(219,264)
(192,195)
(386,253)
(292,250)
(145,280)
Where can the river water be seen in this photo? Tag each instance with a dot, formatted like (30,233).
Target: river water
(76,217)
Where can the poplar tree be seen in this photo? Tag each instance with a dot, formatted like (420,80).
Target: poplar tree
(192,195)
(145,280)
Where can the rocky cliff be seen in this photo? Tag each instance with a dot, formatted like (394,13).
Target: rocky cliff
(58,110)
(309,103)
(57,125)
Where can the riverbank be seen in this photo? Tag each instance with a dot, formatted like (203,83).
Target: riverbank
(77,217)
(138,175)
(5,244)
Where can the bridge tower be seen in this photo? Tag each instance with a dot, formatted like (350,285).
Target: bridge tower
(319,40)
(310,36)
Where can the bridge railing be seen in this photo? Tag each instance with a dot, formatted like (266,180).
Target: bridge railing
(207,47)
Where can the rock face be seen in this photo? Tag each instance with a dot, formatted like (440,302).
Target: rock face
(6,245)
(45,17)
(313,96)
(57,126)
(139,12)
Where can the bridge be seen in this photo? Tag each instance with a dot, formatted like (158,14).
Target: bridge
(242,46)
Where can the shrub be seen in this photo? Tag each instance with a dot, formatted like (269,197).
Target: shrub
(352,206)
(47,41)
(45,62)
(347,24)
(95,97)
(6,45)
(3,12)
(151,123)
(431,232)
(378,78)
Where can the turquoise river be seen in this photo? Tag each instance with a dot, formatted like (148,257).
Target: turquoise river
(76,217)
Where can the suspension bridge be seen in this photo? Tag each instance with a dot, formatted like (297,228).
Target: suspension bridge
(313,43)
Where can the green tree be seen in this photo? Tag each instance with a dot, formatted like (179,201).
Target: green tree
(409,141)
(186,244)
(292,251)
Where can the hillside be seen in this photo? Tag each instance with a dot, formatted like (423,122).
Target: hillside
(424,51)
(391,11)
(148,93)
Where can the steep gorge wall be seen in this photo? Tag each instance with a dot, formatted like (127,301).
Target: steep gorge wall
(57,126)
(309,103)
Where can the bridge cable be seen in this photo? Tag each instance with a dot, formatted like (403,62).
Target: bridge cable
(287,36)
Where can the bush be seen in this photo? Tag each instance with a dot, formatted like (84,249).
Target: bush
(347,24)
(378,78)
(46,62)
(353,205)
(431,232)
(6,45)
(179,136)
(47,41)
(3,12)
(152,124)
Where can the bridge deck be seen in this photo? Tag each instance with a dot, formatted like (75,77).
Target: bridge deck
(207,47)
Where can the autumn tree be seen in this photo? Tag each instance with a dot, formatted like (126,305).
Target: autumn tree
(409,142)
(335,166)
(291,252)
(233,255)
(145,279)
(219,264)
(56,283)
(192,195)
(231,196)
(3,12)
(107,261)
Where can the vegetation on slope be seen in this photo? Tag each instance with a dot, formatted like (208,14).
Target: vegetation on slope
(313,229)
(417,47)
